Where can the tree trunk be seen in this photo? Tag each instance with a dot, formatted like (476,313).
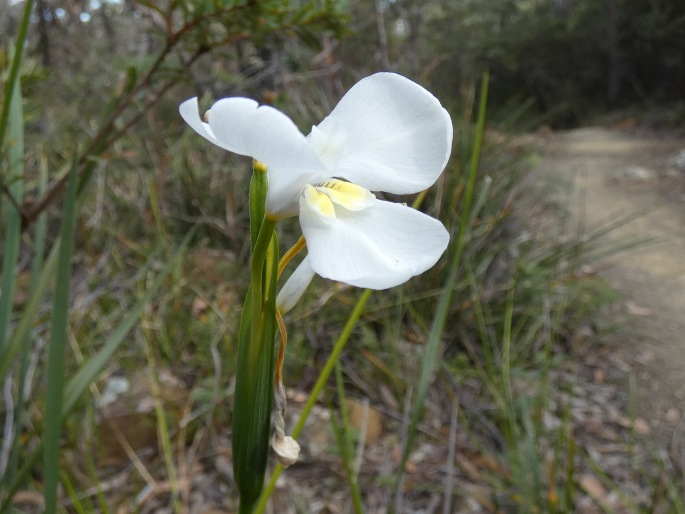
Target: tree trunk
(43,39)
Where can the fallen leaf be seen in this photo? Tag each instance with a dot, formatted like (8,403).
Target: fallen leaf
(672,415)
(362,416)
(642,427)
(594,487)
(599,376)
(31,497)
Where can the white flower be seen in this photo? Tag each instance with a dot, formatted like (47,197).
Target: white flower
(386,134)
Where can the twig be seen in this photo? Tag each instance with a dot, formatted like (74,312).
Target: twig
(362,438)
(399,494)
(449,476)
(8,435)
(382,36)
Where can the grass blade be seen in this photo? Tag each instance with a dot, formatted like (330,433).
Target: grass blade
(343,437)
(76,386)
(89,371)
(13,78)
(432,351)
(58,344)
(15,178)
(162,426)
(25,323)
(13,220)
(316,391)
(36,265)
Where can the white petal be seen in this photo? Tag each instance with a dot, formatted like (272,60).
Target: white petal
(190,113)
(386,134)
(241,126)
(379,247)
(295,286)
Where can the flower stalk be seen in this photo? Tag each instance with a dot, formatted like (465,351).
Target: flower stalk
(255,371)
(386,134)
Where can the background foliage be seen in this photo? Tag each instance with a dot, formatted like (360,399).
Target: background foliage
(160,238)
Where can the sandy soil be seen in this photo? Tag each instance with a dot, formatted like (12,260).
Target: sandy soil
(608,174)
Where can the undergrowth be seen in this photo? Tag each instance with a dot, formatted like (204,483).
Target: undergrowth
(153,294)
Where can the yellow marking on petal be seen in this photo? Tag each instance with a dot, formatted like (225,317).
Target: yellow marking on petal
(319,202)
(348,195)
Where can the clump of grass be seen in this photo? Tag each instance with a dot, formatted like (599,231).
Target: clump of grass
(519,301)
(469,354)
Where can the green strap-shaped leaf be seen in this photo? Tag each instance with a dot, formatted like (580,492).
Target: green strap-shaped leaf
(13,79)
(255,385)
(40,234)
(255,374)
(78,383)
(258,187)
(57,348)
(15,180)
(437,329)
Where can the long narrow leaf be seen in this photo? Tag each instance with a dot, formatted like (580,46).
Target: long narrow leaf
(316,390)
(58,344)
(437,329)
(255,380)
(28,314)
(15,176)
(13,217)
(89,371)
(36,266)
(343,437)
(10,90)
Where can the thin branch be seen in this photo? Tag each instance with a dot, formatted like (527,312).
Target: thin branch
(382,35)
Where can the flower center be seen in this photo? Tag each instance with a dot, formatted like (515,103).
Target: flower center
(324,196)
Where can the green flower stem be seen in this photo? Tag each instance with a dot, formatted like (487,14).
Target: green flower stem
(318,387)
(255,373)
(258,260)
(323,378)
(258,187)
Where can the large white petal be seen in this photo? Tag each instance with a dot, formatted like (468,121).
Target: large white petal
(268,135)
(379,247)
(386,134)
(295,286)
(241,126)
(190,112)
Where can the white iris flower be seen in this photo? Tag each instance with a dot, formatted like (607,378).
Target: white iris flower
(386,134)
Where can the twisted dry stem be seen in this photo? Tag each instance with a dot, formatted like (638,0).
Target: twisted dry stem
(286,448)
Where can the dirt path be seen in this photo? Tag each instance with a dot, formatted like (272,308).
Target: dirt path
(615,174)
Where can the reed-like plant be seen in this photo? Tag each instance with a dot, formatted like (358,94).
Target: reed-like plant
(367,143)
